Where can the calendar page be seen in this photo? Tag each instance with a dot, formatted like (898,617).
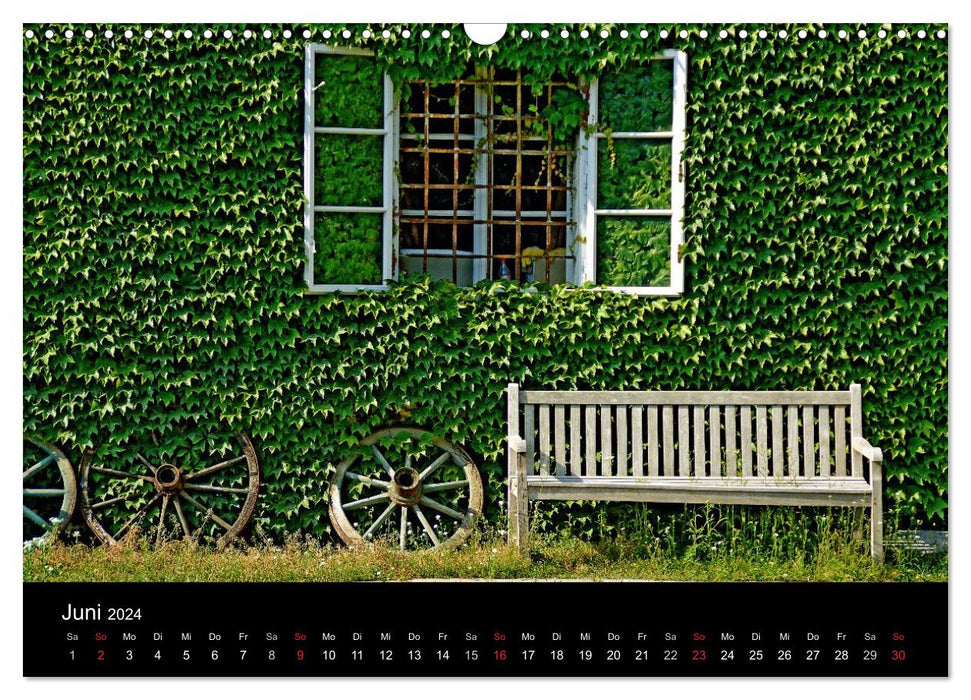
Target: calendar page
(530,349)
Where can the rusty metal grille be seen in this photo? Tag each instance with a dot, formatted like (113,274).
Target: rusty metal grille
(485,193)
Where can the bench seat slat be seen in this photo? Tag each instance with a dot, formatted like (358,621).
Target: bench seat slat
(752,490)
(678,398)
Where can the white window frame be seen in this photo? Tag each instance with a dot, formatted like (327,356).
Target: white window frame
(585,269)
(389,185)
(583,241)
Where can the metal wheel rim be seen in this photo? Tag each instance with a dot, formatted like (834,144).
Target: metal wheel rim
(178,501)
(68,482)
(353,538)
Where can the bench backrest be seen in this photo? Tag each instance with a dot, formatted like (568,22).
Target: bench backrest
(717,434)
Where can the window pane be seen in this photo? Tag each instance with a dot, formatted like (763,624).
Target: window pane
(638,98)
(635,175)
(633,251)
(349,170)
(349,91)
(349,248)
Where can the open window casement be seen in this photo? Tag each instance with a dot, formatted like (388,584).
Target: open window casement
(349,146)
(630,179)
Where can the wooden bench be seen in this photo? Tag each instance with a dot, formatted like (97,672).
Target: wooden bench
(743,447)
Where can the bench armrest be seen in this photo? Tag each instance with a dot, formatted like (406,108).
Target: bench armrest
(861,445)
(517,444)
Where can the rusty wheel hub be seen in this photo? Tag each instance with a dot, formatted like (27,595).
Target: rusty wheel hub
(405,487)
(168,479)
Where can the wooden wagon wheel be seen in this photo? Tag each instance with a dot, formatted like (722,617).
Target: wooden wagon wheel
(406,485)
(202,499)
(49,483)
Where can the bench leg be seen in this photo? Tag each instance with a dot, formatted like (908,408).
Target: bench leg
(876,511)
(519,505)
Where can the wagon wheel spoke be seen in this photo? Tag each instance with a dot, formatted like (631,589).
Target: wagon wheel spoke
(109,502)
(121,475)
(439,461)
(450,512)
(379,520)
(381,458)
(139,514)
(209,488)
(370,501)
(377,483)
(36,519)
(49,459)
(432,488)
(161,519)
(427,526)
(46,493)
(208,511)
(141,458)
(403,530)
(182,521)
(215,468)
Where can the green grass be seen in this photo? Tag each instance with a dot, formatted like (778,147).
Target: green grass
(568,558)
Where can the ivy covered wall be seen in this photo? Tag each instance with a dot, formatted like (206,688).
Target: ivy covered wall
(163,251)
